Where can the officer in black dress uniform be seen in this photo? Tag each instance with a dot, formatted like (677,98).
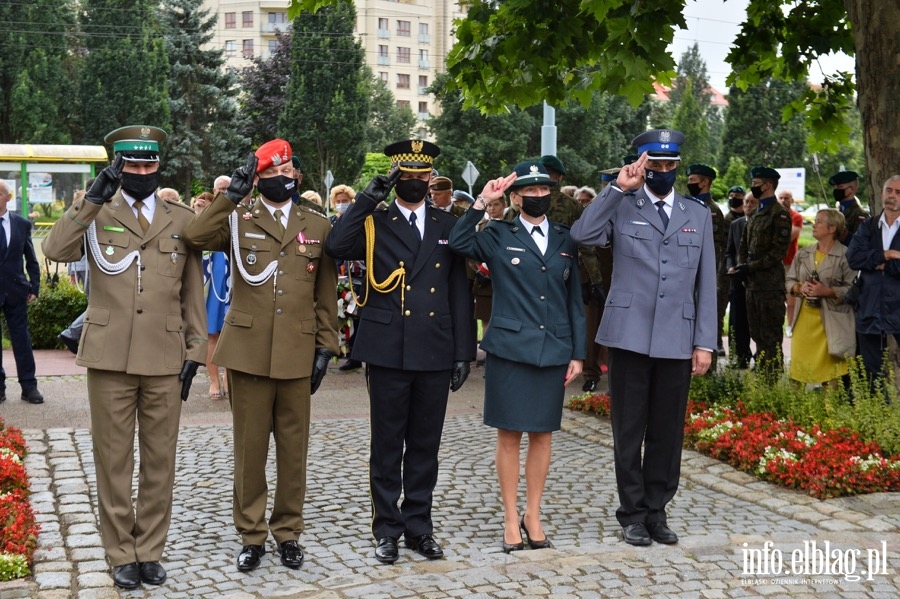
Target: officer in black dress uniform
(415,337)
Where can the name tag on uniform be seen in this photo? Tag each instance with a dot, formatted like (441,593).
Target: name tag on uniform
(255,235)
(515,249)
(113,229)
(638,222)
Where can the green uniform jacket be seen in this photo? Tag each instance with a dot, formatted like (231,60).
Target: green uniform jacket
(273,329)
(763,245)
(149,331)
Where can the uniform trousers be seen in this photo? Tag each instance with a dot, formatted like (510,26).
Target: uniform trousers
(17,323)
(134,533)
(765,315)
(260,406)
(738,327)
(592,314)
(872,347)
(408,409)
(648,403)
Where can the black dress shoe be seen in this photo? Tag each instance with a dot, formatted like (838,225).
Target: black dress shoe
(351,365)
(387,551)
(425,545)
(636,534)
(127,576)
(71,344)
(542,544)
(32,396)
(152,573)
(249,557)
(291,554)
(661,533)
(589,386)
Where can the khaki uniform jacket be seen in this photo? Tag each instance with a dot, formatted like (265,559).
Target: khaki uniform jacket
(149,331)
(273,329)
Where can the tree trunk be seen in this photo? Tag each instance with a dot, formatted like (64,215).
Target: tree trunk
(876,34)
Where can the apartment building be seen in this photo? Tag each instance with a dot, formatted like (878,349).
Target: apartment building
(405,41)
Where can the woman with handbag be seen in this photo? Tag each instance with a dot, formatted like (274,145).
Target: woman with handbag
(824,326)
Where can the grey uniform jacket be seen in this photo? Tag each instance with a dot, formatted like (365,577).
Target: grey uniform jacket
(662,302)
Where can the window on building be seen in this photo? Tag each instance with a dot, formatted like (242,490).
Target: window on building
(383,75)
(383,51)
(230,48)
(247,18)
(423,81)
(383,24)
(277,17)
(423,107)
(402,103)
(273,47)
(247,51)
(403,28)
(403,55)
(402,81)
(423,55)
(423,28)
(230,21)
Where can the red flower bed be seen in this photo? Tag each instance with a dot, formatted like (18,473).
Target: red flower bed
(822,463)
(18,530)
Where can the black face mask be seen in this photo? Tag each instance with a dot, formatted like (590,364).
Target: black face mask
(536,206)
(660,182)
(277,189)
(756,190)
(411,191)
(735,202)
(693,189)
(839,194)
(139,186)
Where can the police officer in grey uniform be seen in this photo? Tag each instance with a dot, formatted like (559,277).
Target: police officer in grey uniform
(659,323)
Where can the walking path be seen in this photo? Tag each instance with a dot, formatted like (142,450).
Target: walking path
(723,517)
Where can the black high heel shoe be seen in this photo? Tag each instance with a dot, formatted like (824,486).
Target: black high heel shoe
(510,547)
(542,544)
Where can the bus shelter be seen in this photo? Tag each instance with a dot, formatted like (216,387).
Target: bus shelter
(42,174)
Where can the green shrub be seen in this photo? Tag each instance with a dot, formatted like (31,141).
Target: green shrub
(53,310)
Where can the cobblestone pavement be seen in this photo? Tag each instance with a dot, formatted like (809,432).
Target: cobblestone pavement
(721,515)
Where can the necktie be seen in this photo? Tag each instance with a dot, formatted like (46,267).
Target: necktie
(2,238)
(142,220)
(536,229)
(661,208)
(412,222)
(278,215)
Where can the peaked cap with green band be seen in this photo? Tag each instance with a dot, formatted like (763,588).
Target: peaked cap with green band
(136,143)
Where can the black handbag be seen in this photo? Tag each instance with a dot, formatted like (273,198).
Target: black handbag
(852,295)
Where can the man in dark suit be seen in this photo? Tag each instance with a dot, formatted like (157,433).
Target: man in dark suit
(738,327)
(415,337)
(659,323)
(16,292)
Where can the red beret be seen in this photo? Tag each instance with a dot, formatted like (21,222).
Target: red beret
(273,153)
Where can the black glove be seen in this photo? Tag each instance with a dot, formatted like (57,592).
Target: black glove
(598,294)
(458,375)
(585,293)
(380,187)
(741,272)
(106,184)
(320,366)
(242,180)
(187,377)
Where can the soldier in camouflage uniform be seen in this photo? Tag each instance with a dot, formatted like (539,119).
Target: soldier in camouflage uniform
(700,178)
(593,294)
(845,185)
(761,260)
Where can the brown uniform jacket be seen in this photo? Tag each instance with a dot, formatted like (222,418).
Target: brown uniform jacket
(149,331)
(273,329)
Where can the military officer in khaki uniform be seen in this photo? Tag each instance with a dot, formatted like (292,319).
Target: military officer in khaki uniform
(846,183)
(279,335)
(764,243)
(144,329)
(441,190)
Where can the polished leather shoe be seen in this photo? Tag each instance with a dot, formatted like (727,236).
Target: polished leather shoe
(127,576)
(291,554)
(32,396)
(249,557)
(510,547)
(387,551)
(71,344)
(542,544)
(152,573)
(589,386)
(425,545)
(636,534)
(350,365)
(661,533)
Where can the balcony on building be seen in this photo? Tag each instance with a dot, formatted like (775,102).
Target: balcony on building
(424,64)
(384,61)
(273,28)
(384,34)
(424,38)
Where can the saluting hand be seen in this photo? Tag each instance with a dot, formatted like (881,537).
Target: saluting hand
(107,183)
(380,187)
(242,180)
(494,189)
(632,175)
